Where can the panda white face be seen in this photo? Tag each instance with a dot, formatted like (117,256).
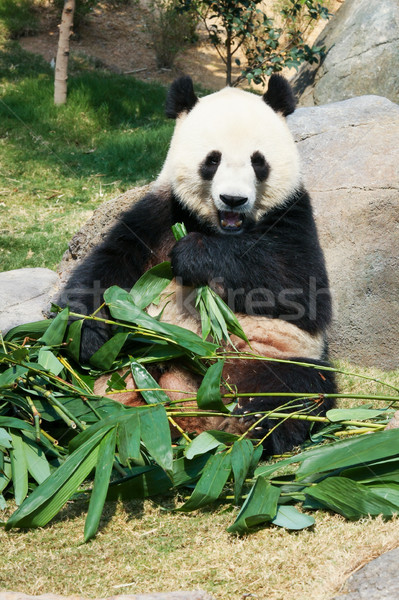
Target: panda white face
(231,159)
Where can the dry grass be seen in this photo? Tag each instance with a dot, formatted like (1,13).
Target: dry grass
(144,548)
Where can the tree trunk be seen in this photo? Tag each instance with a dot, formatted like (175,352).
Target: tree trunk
(228,59)
(61,63)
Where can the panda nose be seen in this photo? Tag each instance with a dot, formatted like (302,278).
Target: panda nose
(233,201)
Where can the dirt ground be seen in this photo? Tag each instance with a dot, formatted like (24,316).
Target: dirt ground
(118,37)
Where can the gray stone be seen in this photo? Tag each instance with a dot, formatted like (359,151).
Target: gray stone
(94,230)
(350,157)
(378,580)
(25,295)
(196,595)
(362,55)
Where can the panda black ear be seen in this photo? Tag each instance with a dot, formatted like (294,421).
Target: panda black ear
(181,97)
(279,95)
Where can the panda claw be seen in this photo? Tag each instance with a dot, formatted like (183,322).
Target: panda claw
(258,416)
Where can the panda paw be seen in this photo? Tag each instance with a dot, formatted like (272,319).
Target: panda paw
(252,417)
(185,260)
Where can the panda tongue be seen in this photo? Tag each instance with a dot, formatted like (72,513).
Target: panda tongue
(230,219)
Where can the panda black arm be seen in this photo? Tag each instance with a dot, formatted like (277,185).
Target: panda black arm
(275,269)
(119,260)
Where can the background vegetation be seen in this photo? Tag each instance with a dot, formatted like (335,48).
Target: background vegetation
(59,163)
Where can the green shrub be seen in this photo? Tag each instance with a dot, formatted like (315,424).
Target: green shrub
(17,18)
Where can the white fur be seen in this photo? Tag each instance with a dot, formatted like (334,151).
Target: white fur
(237,124)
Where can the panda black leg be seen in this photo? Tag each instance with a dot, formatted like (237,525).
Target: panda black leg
(274,378)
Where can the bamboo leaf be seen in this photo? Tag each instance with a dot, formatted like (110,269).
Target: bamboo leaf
(351,499)
(5,473)
(49,361)
(105,356)
(34,330)
(211,483)
(10,375)
(260,506)
(122,307)
(387,470)
(354,414)
(179,231)
(241,458)
(129,439)
(19,468)
(73,336)
(151,284)
(5,439)
(155,434)
(106,453)
(232,323)
(54,334)
(143,380)
(346,453)
(49,497)
(208,440)
(208,395)
(290,518)
(36,461)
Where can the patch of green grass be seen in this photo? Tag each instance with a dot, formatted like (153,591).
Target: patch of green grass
(17,17)
(59,163)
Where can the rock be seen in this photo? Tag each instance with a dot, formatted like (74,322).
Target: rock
(94,230)
(362,55)
(378,580)
(197,595)
(25,295)
(350,156)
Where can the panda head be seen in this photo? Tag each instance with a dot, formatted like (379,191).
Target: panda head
(231,158)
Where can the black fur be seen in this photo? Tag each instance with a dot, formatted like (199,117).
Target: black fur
(181,97)
(274,268)
(280,96)
(260,166)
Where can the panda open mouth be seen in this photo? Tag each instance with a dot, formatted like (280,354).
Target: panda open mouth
(230,220)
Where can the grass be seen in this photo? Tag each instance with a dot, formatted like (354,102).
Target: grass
(59,163)
(143,548)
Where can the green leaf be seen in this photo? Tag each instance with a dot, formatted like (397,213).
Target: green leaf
(350,499)
(5,473)
(143,380)
(289,517)
(179,231)
(208,440)
(208,395)
(155,434)
(10,375)
(106,453)
(151,284)
(33,330)
(105,356)
(36,461)
(50,496)
(5,439)
(353,414)
(346,453)
(122,307)
(55,333)
(388,470)
(389,492)
(129,439)
(19,468)
(15,423)
(241,458)
(73,336)
(260,506)
(232,323)
(49,361)
(211,483)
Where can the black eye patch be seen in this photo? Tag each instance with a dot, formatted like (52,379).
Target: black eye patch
(260,166)
(210,165)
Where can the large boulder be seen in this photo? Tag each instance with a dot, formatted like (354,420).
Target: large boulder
(362,55)
(25,296)
(350,156)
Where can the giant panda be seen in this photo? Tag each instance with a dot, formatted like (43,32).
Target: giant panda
(232,176)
